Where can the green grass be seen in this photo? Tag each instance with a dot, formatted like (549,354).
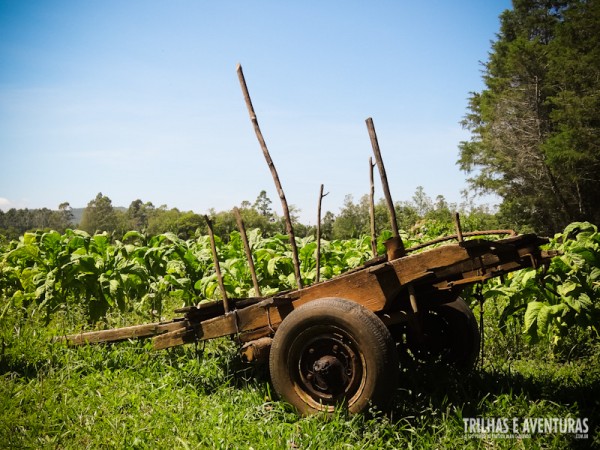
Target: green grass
(127,396)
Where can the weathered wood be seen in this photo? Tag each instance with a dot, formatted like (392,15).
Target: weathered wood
(121,334)
(384,183)
(242,228)
(256,351)
(454,236)
(372,208)
(174,338)
(374,287)
(213,248)
(284,204)
(318,262)
(394,248)
(377,286)
(455,261)
(459,233)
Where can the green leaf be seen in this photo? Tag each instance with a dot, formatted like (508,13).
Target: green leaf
(567,288)
(531,317)
(543,317)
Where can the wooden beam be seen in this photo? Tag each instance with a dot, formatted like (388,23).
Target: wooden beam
(121,334)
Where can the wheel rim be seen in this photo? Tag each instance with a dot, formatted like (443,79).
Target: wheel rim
(328,368)
(448,336)
(435,344)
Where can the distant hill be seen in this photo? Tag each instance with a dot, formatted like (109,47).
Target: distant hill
(77,214)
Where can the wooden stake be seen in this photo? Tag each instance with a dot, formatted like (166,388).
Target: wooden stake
(242,228)
(399,245)
(213,247)
(372,209)
(459,233)
(284,204)
(321,195)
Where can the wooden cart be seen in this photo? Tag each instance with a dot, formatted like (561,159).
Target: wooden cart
(338,340)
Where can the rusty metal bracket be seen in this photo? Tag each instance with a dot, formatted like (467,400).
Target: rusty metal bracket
(267,306)
(482,265)
(469,280)
(533,259)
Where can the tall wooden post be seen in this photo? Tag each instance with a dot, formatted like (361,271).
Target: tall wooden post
(284,204)
(242,228)
(213,248)
(372,209)
(395,246)
(321,195)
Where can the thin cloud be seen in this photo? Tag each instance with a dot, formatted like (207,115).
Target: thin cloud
(5,203)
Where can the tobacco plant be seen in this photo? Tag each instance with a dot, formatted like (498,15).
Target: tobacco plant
(552,300)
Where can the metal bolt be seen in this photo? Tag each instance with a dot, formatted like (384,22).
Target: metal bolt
(311,350)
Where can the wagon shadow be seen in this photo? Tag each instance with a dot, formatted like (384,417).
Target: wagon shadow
(439,387)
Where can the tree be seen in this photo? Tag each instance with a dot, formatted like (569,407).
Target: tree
(62,219)
(535,126)
(327,225)
(422,201)
(263,204)
(163,220)
(99,215)
(188,223)
(352,221)
(138,214)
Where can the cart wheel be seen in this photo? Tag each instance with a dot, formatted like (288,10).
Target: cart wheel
(449,336)
(333,351)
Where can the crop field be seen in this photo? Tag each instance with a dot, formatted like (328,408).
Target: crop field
(541,357)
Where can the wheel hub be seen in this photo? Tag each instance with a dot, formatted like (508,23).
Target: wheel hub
(329,374)
(328,368)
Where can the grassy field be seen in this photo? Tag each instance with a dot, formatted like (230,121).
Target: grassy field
(126,396)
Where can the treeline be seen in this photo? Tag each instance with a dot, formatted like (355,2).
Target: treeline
(15,222)
(419,215)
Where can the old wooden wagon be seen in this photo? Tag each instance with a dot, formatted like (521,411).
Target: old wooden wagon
(338,340)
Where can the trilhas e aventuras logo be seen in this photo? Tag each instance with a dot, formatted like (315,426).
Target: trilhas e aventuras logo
(512,427)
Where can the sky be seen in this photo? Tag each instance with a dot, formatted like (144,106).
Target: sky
(140,99)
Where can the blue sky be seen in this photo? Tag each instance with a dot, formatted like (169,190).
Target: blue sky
(140,99)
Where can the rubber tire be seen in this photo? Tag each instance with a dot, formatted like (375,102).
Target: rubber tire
(453,329)
(360,330)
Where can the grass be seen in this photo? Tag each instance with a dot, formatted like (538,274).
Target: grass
(126,396)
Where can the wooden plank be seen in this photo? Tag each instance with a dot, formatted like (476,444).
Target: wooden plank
(371,288)
(224,325)
(267,314)
(121,334)
(177,337)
